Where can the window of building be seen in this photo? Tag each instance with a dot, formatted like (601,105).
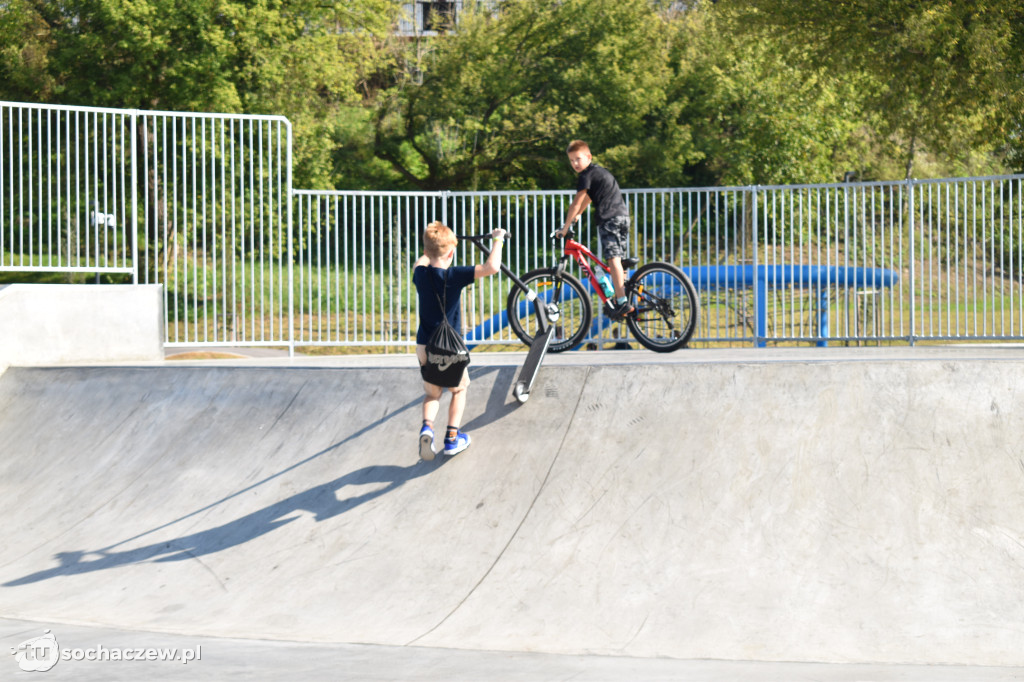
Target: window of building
(438,15)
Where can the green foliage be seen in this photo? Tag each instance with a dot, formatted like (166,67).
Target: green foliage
(755,117)
(736,92)
(24,58)
(934,73)
(667,94)
(495,103)
(303,59)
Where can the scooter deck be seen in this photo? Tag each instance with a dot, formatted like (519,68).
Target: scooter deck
(527,375)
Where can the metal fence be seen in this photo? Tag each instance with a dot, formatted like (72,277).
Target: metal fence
(215,213)
(66,187)
(898,262)
(200,203)
(204,204)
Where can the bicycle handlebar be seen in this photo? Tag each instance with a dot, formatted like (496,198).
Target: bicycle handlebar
(569,234)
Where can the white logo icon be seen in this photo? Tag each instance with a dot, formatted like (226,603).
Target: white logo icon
(38,654)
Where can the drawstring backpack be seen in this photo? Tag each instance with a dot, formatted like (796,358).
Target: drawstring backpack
(447,355)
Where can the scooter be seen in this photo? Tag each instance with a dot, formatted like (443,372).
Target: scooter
(547,315)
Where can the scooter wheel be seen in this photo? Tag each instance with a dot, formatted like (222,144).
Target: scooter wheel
(520,393)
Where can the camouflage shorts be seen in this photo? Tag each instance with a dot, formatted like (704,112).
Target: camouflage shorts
(614,234)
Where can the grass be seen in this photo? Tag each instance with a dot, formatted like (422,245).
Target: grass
(370,310)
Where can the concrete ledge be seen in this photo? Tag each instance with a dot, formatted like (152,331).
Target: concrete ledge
(46,324)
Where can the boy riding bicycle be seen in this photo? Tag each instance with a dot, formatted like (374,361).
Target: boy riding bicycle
(595,184)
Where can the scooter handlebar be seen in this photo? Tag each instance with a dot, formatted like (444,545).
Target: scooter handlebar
(478,238)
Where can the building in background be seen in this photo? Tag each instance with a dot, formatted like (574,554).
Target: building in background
(428,17)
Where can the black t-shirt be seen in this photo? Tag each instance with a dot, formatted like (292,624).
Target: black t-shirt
(429,280)
(603,190)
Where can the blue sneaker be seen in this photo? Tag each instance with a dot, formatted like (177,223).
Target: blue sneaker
(453,446)
(426,444)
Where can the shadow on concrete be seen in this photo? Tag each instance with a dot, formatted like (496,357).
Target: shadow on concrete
(323,501)
(498,404)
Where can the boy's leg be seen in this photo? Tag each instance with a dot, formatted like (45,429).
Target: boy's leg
(431,401)
(455,440)
(431,404)
(458,403)
(431,393)
(614,234)
(618,276)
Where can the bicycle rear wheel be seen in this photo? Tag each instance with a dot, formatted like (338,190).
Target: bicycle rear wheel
(666,306)
(563,291)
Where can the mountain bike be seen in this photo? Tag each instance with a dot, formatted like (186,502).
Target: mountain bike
(666,307)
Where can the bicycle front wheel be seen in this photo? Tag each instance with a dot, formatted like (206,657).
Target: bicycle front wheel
(666,306)
(566,294)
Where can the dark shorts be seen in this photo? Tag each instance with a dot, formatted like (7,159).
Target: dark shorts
(614,234)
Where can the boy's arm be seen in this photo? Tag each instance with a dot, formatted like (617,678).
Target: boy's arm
(576,208)
(493,263)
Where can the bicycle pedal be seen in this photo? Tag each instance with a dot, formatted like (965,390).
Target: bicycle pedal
(612,312)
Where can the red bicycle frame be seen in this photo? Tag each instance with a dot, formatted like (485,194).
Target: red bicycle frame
(580,253)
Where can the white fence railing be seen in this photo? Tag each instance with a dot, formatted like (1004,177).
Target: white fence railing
(204,204)
(200,203)
(215,214)
(67,186)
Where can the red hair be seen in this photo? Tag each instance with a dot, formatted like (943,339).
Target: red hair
(438,240)
(577,145)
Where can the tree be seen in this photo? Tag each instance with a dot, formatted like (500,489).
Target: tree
(756,118)
(937,73)
(310,61)
(302,59)
(24,48)
(494,103)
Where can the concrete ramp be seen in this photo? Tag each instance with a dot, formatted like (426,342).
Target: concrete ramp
(851,511)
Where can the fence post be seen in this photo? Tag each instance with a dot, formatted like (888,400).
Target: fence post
(759,283)
(135,199)
(913,269)
(290,250)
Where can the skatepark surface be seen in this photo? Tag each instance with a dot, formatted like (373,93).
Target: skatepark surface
(768,514)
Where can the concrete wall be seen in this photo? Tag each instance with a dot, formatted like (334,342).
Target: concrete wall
(46,324)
